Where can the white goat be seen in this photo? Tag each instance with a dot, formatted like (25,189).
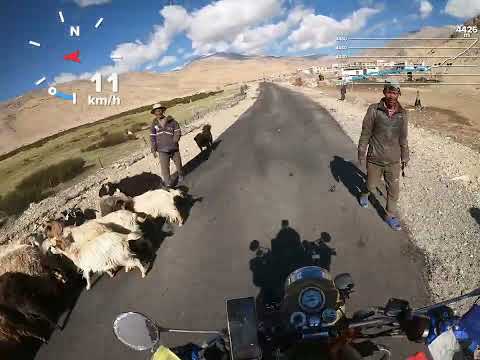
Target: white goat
(124,218)
(156,203)
(129,221)
(124,222)
(105,253)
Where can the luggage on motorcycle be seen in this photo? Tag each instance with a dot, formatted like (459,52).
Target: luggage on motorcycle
(164,353)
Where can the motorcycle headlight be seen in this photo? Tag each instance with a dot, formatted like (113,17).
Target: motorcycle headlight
(311,299)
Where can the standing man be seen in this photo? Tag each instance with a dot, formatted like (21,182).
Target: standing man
(164,136)
(343,91)
(418,103)
(384,131)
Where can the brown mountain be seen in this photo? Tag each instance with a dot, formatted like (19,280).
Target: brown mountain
(35,115)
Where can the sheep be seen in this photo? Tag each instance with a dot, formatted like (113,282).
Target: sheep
(134,185)
(103,254)
(158,203)
(204,139)
(23,258)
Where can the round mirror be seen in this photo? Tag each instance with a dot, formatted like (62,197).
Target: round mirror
(136,331)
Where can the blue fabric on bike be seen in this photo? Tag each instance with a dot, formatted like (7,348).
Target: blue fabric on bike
(189,351)
(470,323)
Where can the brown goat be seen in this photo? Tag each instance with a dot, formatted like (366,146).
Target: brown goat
(14,326)
(35,297)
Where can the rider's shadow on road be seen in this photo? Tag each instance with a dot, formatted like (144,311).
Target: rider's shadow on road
(270,268)
(354,179)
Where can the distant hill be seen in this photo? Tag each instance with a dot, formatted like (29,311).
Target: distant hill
(36,115)
(432,51)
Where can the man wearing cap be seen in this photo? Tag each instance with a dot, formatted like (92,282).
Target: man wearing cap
(164,136)
(384,132)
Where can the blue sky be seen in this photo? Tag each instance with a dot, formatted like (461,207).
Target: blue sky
(161,35)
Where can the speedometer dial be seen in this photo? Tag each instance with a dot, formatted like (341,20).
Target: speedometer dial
(311,299)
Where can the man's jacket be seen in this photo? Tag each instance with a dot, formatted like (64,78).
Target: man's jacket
(165,138)
(386,137)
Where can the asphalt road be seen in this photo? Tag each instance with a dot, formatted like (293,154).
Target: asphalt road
(285,159)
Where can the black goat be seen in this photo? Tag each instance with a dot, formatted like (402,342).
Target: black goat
(37,298)
(133,185)
(76,217)
(204,139)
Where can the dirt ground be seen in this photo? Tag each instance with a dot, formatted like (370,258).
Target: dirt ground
(452,111)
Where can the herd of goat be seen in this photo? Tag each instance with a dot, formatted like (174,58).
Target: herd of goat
(36,283)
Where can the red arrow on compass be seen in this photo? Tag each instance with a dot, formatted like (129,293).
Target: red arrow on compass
(74,56)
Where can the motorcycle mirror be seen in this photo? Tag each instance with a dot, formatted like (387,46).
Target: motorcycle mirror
(344,282)
(254,245)
(136,331)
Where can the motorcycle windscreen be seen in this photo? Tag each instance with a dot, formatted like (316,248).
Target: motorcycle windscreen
(242,328)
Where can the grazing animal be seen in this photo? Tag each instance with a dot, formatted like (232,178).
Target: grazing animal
(14,327)
(113,203)
(133,185)
(76,217)
(204,139)
(123,222)
(159,203)
(56,231)
(130,221)
(22,258)
(105,253)
(35,297)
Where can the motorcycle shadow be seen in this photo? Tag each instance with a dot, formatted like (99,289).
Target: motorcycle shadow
(271,267)
(288,252)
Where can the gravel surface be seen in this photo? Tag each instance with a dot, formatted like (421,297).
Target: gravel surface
(439,199)
(85,193)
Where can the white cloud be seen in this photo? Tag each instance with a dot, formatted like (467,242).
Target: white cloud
(84,3)
(317,31)
(253,39)
(247,27)
(463,8)
(167,60)
(64,77)
(216,25)
(425,8)
(134,54)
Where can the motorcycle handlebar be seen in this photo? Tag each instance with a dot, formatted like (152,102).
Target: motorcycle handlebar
(372,322)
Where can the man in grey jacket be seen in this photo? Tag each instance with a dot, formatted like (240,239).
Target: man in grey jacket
(165,134)
(384,132)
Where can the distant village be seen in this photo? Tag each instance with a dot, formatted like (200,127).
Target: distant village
(354,71)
